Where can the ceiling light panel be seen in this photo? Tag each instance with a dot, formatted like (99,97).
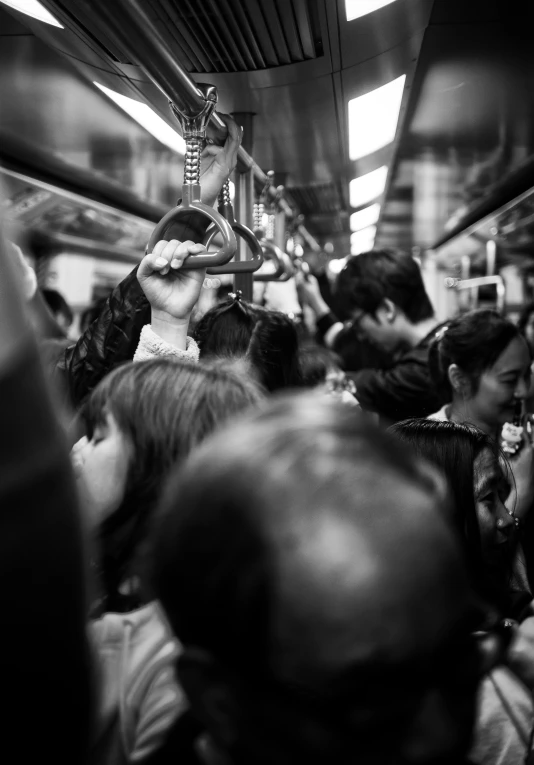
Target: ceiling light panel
(147,118)
(34,9)
(366,217)
(362,241)
(373,118)
(357,8)
(368,187)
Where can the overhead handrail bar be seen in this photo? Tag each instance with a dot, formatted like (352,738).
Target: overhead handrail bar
(226,209)
(480,281)
(134,30)
(194,131)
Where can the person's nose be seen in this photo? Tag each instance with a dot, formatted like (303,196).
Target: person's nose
(505,521)
(522,389)
(77,453)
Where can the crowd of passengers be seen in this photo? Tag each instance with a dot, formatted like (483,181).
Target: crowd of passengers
(251,556)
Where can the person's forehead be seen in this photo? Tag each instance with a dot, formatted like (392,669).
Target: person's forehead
(487,470)
(514,357)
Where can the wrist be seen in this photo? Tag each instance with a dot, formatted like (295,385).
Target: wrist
(171,329)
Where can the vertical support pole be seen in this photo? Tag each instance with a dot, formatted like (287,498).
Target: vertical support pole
(491,257)
(280,230)
(243,204)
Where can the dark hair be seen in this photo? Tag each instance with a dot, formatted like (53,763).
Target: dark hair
(315,363)
(525,315)
(164,408)
(271,466)
(474,342)
(371,277)
(267,339)
(453,448)
(57,304)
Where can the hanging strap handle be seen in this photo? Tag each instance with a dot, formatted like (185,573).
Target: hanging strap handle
(194,133)
(235,266)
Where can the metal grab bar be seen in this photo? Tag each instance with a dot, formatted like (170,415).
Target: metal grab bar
(234,266)
(480,281)
(131,26)
(194,132)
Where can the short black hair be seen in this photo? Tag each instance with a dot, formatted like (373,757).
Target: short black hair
(267,339)
(474,342)
(373,276)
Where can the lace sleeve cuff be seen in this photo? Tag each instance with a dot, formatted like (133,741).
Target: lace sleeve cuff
(151,346)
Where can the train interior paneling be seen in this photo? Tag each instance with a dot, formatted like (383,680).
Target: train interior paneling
(407,124)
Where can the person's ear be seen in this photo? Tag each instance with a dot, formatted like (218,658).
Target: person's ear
(387,311)
(210,695)
(458,380)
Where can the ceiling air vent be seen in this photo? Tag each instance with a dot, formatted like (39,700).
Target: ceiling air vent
(318,198)
(239,35)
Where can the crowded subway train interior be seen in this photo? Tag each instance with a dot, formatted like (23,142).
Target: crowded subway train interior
(266,402)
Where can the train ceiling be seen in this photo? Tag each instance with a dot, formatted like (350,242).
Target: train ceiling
(466,116)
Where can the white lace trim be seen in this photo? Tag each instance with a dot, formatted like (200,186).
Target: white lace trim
(151,346)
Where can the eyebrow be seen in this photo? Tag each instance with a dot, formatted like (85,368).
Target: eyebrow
(491,481)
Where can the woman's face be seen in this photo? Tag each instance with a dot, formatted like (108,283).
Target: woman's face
(495,524)
(101,467)
(502,385)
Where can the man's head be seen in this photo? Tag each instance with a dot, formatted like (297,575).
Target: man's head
(383,293)
(305,566)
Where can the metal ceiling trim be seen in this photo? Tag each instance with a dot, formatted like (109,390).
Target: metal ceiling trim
(50,172)
(513,190)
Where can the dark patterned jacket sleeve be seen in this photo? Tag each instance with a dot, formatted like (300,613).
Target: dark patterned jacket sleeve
(113,337)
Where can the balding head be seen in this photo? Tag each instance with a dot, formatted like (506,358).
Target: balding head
(304,547)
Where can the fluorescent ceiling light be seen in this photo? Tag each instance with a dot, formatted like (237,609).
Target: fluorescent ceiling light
(34,9)
(368,187)
(362,241)
(373,118)
(148,119)
(357,8)
(366,217)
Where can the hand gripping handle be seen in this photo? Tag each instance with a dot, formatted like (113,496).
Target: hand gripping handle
(219,224)
(274,253)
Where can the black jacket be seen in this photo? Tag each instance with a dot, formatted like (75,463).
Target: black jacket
(113,337)
(404,390)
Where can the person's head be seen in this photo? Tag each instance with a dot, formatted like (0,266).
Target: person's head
(481,363)
(141,420)
(267,339)
(59,308)
(319,594)
(383,293)
(316,364)
(526,324)
(479,489)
